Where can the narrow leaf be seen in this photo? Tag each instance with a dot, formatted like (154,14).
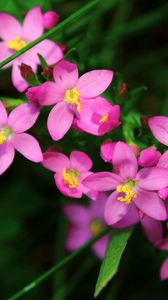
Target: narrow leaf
(110,264)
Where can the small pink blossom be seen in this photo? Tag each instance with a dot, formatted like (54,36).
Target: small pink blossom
(131,187)
(50,19)
(84,223)
(98,117)
(13,136)
(16,36)
(106,150)
(70,93)
(149,157)
(69,172)
(159,127)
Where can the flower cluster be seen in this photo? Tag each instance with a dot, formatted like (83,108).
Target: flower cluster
(135,191)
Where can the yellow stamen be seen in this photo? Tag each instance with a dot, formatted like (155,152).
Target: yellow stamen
(70,177)
(71,96)
(17,44)
(2,137)
(129,193)
(103,119)
(95,226)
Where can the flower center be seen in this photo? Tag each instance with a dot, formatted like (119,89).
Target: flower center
(103,119)
(4,134)
(16,44)
(127,189)
(71,96)
(70,177)
(95,226)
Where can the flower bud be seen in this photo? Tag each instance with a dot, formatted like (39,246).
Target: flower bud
(50,19)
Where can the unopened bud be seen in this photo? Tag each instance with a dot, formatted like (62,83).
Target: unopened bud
(48,72)
(122,91)
(50,19)
(26,71)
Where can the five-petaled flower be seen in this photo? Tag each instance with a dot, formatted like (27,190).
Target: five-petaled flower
(86,222)
(70,93)
(16,36)
(69,172)
(13,136)
(132,188)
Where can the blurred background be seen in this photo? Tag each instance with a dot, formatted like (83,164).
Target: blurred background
(129,37)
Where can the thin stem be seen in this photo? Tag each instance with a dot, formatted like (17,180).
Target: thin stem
(59,266)
(56,29)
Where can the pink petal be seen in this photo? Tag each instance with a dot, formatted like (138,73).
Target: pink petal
(28,146)
(88,192)
(149,157)
(124,161)
(33,24)
(76,214)
(3,114)
(96,208)
(64,189)
(163,193)
(59,120)
(66,74)
(159,127)
(164,270)
(100,246)
(23,117)
(4,53)
(9,27)
(80,161)
(152,228)
(51,52)
(94,83)
(55,161)
(7,154)
(152,179)
(102,181)
(131,218)
(151,205)
(115,210)
(77,237)
(19,83)
(106,150)
(163,161)
(50,19)
(45,94)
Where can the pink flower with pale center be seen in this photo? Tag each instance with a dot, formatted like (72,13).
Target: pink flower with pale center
(98,116)
(16,36)
(69,172)
(132,188)
(13,136)
(70,93)
(159,127)
(85,223)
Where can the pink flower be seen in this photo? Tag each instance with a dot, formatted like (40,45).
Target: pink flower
(50,19)
(131,187)
(159,127)
(164,270)
(98,116)
(106,150)
(13,136)
(84,223)
(70,93)
(149,157)
(69,172)
(15,36)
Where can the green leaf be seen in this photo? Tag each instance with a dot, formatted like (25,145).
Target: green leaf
(110,264)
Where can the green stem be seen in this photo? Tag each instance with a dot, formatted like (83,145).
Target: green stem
(56,29)
(59,266)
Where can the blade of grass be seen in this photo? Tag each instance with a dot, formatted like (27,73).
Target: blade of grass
(56,29)
(58,266)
